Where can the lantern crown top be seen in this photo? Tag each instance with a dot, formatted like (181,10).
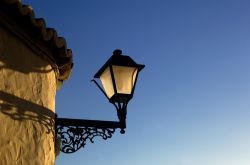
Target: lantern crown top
(117,52)
(119,60)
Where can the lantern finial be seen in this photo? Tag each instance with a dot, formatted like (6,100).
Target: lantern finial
(117,52)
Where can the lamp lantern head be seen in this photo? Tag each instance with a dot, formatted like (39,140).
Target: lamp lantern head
(118,77)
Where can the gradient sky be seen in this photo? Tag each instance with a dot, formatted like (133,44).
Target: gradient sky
(192,101)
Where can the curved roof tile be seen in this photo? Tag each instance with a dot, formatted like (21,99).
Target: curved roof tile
(25,15)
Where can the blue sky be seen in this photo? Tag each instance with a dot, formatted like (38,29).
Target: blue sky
(191,105)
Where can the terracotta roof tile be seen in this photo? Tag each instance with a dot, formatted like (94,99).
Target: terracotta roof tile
(25,15)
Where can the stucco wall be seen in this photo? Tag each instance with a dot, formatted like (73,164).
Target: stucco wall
(27,103)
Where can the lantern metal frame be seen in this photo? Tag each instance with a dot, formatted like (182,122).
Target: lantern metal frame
(72,134)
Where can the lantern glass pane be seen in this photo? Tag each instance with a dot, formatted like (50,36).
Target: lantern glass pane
(124,78)
(107,84)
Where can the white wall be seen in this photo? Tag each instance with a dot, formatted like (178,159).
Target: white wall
(27,104)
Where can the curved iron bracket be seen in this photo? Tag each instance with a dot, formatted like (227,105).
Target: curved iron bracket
(74,133)
(73,137)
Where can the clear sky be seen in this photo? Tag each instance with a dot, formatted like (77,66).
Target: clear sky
(192,101)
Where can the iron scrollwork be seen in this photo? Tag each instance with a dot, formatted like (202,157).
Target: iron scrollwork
(74,137)
(74,133)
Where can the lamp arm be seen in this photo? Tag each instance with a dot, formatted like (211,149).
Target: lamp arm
(88,123)
(73,133)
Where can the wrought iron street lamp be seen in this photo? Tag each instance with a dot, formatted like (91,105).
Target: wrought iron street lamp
(118,77)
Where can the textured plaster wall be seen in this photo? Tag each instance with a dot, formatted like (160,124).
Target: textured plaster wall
(27,103)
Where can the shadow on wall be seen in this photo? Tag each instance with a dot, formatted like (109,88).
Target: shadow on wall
(20,109)
(13,63)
